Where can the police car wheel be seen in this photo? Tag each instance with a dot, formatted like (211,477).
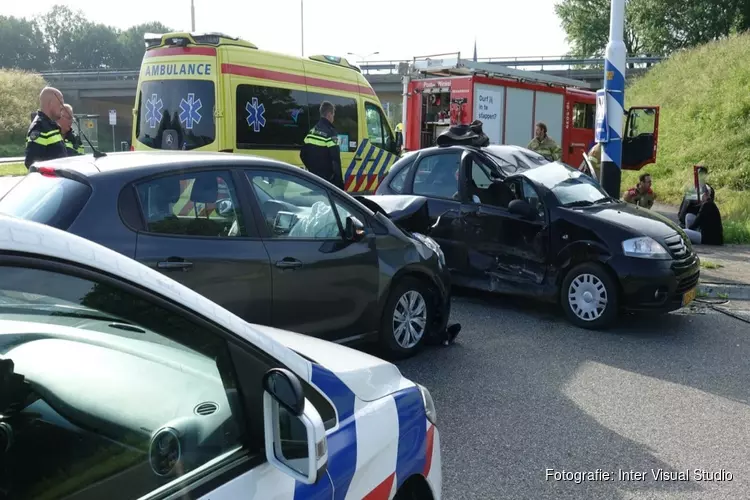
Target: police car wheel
(590,296)
(407,315)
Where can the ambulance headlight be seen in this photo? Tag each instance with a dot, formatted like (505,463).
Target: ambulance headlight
(429,404)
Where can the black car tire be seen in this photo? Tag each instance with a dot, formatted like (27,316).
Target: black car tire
(409,289)
(592,282)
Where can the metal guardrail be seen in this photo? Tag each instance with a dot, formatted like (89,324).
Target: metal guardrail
(18,159)
(543,63)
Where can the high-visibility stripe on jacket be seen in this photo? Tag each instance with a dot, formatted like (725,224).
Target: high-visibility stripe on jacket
(44,141)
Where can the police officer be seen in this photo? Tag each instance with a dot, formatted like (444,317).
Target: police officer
(321,154)
(73,143)
(399,138)
(44,140)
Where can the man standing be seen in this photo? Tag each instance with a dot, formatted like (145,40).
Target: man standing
(321,154)
(642,194)
(543,144)
(44,141)
(73,144)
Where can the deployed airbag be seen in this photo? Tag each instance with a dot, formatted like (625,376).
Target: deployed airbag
(319,223)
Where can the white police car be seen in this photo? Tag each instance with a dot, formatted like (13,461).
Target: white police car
(118,382)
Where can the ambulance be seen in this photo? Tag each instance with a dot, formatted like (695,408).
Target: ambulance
(213,92)
(443,92)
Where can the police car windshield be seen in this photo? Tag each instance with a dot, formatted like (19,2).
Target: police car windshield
(176,114)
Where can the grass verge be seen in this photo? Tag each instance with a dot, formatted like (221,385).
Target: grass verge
(12,169)
(705,110)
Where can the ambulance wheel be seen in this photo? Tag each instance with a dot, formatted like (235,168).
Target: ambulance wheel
(589,296)
(407,315)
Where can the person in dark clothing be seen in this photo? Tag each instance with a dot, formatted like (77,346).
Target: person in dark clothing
(321,154)
(73,144)
(44,140)
(706,227)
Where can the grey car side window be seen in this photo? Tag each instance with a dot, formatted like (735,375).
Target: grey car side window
(192,204)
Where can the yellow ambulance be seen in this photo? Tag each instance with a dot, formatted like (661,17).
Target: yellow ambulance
(213,92)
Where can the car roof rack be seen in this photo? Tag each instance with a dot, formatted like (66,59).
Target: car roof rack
(455,66)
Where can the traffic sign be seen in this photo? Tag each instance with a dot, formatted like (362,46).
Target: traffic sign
(602,121)
(113,117)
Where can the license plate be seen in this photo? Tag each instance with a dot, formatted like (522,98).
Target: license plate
(688,297)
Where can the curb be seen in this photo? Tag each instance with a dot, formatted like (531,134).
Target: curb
(732,292)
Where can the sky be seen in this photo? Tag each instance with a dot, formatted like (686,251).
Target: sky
(396,29)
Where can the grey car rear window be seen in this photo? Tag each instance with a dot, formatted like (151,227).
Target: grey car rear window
(54,201)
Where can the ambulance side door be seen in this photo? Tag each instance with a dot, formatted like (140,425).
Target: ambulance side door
(640,137)
(376,152)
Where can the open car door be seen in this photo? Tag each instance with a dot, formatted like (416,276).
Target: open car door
(640,138)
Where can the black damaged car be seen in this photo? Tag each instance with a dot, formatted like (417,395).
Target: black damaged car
(510,221)
(270,242)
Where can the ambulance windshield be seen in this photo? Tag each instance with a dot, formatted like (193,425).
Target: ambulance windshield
(176,114)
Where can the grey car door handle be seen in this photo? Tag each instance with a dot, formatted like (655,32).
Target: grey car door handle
(288,263)
(174,264)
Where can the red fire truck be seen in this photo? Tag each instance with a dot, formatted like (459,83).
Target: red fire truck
(440,93)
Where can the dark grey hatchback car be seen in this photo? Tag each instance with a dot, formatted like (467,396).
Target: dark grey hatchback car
(268,241)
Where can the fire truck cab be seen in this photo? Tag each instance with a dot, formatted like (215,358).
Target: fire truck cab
(439,93)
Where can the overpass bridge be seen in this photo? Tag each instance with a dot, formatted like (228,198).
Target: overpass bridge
(97,92)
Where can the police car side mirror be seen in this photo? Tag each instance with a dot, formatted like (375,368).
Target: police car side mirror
(295,435)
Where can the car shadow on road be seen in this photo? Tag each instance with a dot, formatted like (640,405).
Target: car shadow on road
(523,391)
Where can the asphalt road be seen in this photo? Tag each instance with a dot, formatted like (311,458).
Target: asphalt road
(523,391)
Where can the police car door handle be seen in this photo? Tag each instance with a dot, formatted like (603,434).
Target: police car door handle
(359,158)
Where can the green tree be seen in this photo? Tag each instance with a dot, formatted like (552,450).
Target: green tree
(651,26)
(23,46)
(133,44)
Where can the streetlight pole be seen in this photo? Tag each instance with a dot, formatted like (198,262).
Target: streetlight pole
(192,15)
(302,25)
(610,102)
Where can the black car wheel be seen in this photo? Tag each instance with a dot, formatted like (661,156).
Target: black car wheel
(589,296)
(407,315)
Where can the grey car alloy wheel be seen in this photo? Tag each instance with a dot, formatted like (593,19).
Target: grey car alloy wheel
(409,319)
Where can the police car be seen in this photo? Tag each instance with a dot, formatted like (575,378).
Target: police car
(119,382)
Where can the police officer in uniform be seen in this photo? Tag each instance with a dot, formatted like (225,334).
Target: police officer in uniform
(44,140)
(73,144)
(321,154)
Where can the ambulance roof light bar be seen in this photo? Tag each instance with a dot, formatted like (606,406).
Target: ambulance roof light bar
(456,66)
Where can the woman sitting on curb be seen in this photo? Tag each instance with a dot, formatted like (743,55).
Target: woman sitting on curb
(705,228)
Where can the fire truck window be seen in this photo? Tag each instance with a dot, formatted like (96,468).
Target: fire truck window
(375,128)
(584,115)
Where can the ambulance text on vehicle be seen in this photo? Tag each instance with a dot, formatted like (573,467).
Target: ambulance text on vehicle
(213,92)
(509,102)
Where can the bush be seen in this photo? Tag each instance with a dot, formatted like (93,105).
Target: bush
(704,119)
(19,98)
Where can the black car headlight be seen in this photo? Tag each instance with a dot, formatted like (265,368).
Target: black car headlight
(432,245)
(645,247)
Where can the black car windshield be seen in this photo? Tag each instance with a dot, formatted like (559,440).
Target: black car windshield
(570,187)
(176,114)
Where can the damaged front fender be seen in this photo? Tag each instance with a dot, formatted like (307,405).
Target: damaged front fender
(408,212)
